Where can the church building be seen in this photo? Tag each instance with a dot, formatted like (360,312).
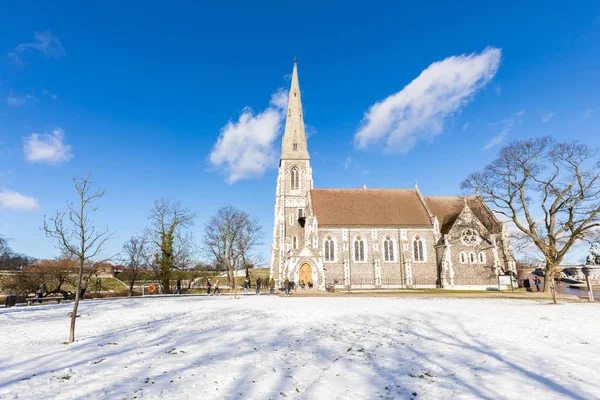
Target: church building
(377,238)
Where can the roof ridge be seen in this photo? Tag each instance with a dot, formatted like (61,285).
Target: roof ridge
(368,189)
(448,197)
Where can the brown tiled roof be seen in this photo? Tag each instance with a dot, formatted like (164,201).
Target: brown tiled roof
(369,207)
(447,209)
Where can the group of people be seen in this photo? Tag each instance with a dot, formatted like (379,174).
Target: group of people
(42,289)
(209,287)
(527,285)
(303,285)
(288,286)
(246,286)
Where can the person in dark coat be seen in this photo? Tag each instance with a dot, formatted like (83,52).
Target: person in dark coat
(526,284)
(258,283)
(537,283)
(208,286)
(83,287)
(178,287)
(287,285)
(246,285)
(41,292)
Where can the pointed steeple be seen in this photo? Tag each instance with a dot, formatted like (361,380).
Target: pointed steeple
(293,144)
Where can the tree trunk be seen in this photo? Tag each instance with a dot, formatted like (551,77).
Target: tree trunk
(131,287)
(76,304)
(231,277)
(549,281)
(548,276)
(166,282)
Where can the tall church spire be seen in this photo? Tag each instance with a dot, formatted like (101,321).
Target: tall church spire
(293,144)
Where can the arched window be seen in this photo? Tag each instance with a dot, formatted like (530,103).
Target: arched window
(482,257)
(472,258)
(419,254)
(388,249)
(329,249)
(294,242)
(359,249)
(295,178)
(463,257)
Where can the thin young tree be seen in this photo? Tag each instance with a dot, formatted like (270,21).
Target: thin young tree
(136,259)
(549,190)
(167,221)
(231,238)
(74,233)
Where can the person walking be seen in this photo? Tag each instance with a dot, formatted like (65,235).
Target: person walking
(271,287)
(527,284)
(208,286)
(217,288)
(286,285)
(537,283)
(258,283)
(83,287)
(178,287)
(42,289)
(246,286)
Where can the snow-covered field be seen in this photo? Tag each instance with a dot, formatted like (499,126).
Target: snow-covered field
(308,348)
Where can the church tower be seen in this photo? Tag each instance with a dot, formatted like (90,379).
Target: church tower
(294,181)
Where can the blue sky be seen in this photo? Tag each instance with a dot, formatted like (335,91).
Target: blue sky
(140,93)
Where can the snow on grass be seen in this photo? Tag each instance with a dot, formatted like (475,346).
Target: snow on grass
(306,348)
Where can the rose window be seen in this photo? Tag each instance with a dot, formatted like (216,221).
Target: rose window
(469,237)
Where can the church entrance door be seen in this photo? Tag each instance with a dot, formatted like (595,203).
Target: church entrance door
(305,274)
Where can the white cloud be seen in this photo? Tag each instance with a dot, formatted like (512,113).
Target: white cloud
(49,148)
(465,127)
(46,92)
(507,126)
(547,117)
(44,42)
(245,148)
(17,201)
(348,162)
(280,98)
(17,101)
(418,111)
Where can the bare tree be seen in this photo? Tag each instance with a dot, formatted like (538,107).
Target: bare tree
(167,222)
(4,249)
(551,192)
(231,238)
(12,261)
(75,234)
(136,259)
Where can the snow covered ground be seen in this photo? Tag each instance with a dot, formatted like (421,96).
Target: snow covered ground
(306,348)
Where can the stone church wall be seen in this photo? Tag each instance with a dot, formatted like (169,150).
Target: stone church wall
(472,273)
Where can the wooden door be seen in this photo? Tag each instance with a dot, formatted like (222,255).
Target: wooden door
(305,274)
